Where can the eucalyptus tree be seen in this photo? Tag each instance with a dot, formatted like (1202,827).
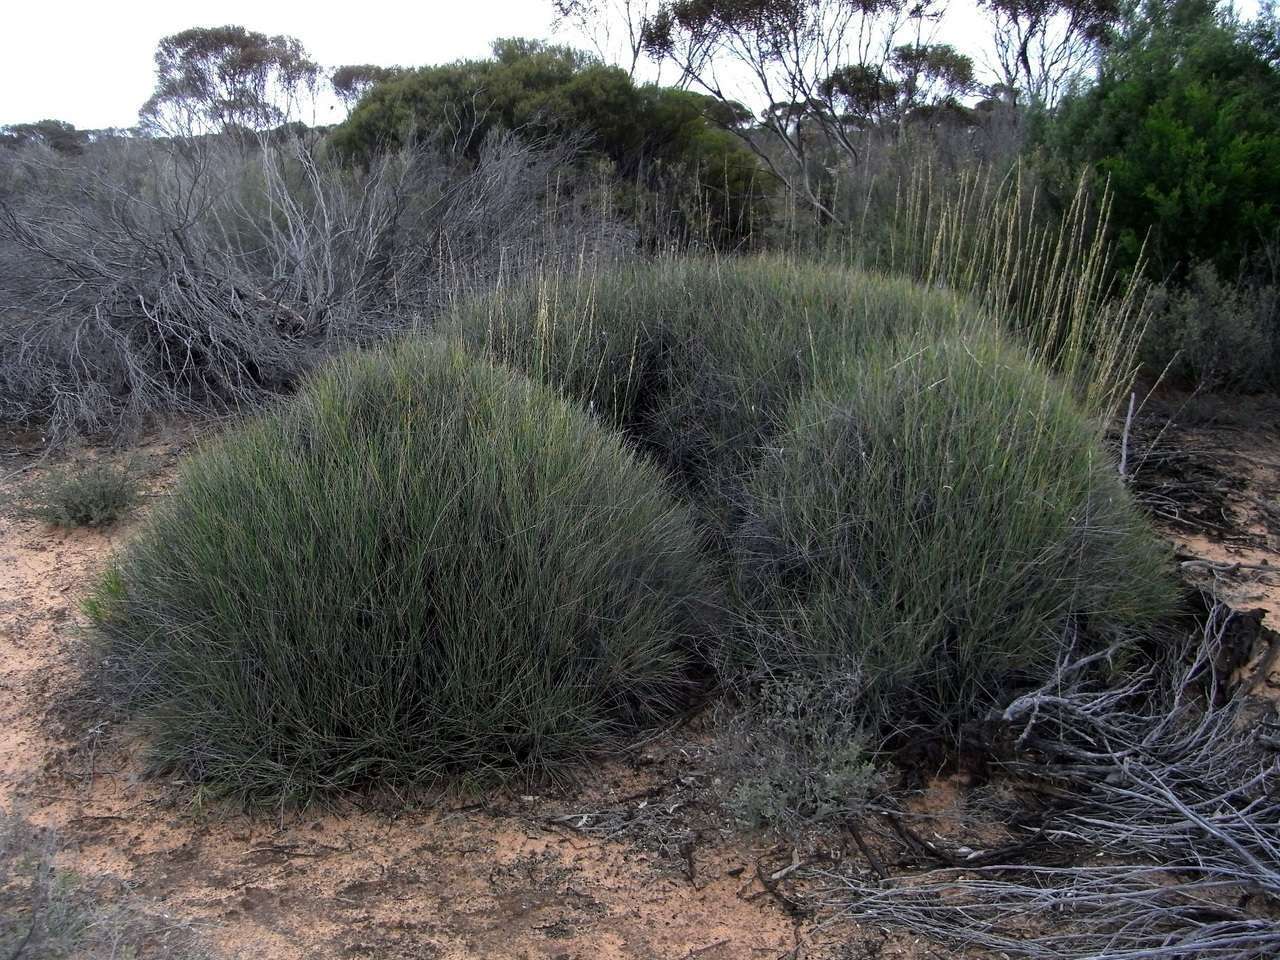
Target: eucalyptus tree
(223,79)
(352,81)
(1042,47)
(823,72)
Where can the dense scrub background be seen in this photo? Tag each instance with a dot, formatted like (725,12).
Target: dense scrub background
(646,395)
(209,258)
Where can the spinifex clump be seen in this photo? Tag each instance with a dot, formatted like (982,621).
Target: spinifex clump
(940,521)
(421,565)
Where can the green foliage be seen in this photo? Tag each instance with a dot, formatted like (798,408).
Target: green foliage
(1184,120)
(1216,334)
(941,521)
(917,80)
(422,566)
(794,752)
(57,135)
(697,359)
(663,138)
(352,81)
(95,495)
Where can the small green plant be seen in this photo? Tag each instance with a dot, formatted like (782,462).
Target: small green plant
(945,518)
(94,495)
(1214,333)
(794,751)
(423,566)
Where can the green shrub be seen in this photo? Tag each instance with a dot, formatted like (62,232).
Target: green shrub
(95,495)
(422,566)
(697,359)
(940,522)
(666,140)
(1215,333)
(1183,122)
(795,751)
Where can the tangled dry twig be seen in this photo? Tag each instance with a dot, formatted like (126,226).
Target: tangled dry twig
(1164,820)
(149,276)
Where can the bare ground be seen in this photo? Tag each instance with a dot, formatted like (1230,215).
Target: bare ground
(636,862)
(1208,469)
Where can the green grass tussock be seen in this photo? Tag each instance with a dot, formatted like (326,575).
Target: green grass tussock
(697,359)
(423,565)
(942,519)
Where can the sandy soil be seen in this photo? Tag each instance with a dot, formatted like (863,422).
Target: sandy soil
(1215,487)
(514,877)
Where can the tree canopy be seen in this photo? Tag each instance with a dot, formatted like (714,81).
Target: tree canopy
(1184,121)
(1043,46)
(537,89)
(55,134)
(353,80)
(828,70)
(215,79)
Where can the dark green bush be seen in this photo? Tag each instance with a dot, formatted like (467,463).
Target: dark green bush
(1215,333)
(695,359)
(664,139)
(1183,122)
(94,495)
(422,566)
(939,522)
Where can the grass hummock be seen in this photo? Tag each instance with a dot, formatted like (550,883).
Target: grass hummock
(696,360)
(942,522)
(422,566)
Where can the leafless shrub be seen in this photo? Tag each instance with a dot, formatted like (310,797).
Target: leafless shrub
(1162,833)
(194,275)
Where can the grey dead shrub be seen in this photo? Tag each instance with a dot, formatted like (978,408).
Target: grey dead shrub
(149,276)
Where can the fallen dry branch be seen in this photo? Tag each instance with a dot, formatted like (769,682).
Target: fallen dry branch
(1119,913)
(1164,800)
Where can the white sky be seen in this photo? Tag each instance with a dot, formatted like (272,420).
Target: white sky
(90,63)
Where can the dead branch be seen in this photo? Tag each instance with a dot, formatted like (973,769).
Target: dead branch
(1164,801)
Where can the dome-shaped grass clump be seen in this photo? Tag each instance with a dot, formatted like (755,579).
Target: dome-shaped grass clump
(942,520)
(697,359)
(422,565)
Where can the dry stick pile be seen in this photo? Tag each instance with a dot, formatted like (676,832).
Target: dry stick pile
(1168,788)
